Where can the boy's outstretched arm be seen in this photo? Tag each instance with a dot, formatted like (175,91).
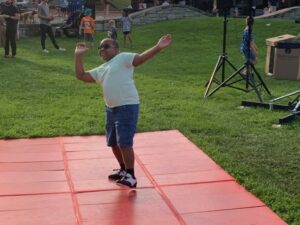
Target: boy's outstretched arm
(79,69)
(164,42)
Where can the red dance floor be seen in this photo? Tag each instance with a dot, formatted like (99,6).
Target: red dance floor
(63,181)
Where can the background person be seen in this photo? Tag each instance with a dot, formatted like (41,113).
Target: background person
(249,54)
(156,2)
(121,98)
(2,30)
(112,33)
(246,38)
(45,27)
(12,17)
(126,28)
(273,5)
(165,3)
(91,4)
(87,23)
(63,7)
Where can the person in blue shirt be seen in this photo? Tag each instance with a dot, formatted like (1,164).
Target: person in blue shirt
(249,40)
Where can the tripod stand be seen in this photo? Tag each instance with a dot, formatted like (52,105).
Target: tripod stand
(251,72)
(293,106)
(222,60)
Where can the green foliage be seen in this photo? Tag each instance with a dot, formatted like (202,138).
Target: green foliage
(39,96)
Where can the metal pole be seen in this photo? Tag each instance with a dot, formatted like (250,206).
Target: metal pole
(224,43)
(284,96)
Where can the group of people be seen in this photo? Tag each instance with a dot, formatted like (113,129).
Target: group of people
(11,14)
(87,26)
(274,5)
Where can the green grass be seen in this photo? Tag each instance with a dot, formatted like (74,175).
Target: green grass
(40,97)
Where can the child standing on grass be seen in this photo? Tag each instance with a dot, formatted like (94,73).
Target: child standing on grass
(112,33)
(127,26)
(249,54)
(87,24)
(248,46)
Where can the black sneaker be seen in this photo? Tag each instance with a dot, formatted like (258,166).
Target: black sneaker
(128,181)
(119,174)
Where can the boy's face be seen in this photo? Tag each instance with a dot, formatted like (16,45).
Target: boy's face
(107,50)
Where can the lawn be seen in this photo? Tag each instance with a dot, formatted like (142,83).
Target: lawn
(40,97)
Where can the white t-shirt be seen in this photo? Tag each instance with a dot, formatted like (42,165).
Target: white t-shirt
(116,78)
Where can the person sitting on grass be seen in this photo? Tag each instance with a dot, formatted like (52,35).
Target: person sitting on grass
(115,76)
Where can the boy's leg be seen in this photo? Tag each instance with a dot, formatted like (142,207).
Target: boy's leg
(119,173)
(126,124)
(129,179)
(111,140)
(7,43)
(128,158)
(130,40)
(88,40)
(125,37)
(43,35)
(253,57)
(51,36)
(13,34)
(118,155)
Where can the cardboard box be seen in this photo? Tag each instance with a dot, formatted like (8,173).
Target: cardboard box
(271,44)
(282,38)
(287,62)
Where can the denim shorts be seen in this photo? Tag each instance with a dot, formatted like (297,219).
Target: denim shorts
(121,124)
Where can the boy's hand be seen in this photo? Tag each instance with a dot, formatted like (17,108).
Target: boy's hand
(165,41)
(80,48)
